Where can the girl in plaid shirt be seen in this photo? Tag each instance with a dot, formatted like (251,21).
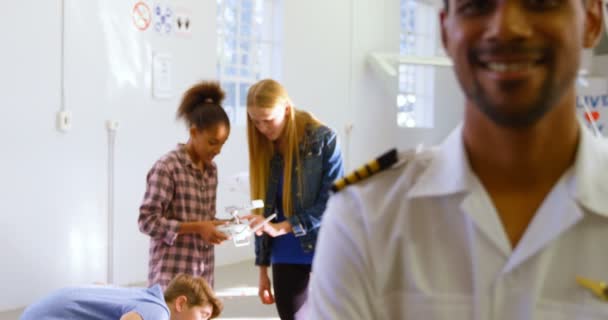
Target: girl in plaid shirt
(178,209)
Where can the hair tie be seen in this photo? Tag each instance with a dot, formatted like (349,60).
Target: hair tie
(208,100)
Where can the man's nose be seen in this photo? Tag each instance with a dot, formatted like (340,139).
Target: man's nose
(509,21)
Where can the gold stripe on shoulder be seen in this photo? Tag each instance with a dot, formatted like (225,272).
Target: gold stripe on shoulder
(367,170)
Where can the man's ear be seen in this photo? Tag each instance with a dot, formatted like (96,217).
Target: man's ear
(193,131)
(594,23)
(181,303)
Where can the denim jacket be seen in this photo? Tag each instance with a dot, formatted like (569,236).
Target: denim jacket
(321,164)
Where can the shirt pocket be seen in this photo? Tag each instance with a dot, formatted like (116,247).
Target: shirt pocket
(553,310)
(405,305)
(312,172)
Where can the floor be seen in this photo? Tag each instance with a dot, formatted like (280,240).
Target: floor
(236,284)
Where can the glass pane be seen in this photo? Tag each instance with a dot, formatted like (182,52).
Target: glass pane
(229,16)
(230,89)
(406,120)
(226,57)
(247,4)
(230,71)
(246,31)
(418,36)
(241,24)
(243,87)
(246,17)
(230,44)
(245,45)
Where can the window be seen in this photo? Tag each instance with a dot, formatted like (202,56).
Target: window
(418,37)
(247,49)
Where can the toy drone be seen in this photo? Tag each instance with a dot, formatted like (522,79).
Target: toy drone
(239,230)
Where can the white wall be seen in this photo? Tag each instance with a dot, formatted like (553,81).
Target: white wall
(326,70)
(316,58)
(54,185)
(600,65)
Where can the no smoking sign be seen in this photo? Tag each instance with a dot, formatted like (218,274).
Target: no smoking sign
(141,16)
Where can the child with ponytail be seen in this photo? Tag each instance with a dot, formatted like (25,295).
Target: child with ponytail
(178,209)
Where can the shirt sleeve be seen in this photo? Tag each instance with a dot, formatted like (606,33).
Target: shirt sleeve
(159,194)
(342,285)
(151,311)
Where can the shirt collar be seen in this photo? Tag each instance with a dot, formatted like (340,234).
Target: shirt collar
(449,171)
(590,180)
(183,156)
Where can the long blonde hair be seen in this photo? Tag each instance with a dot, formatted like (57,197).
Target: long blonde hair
(268,94)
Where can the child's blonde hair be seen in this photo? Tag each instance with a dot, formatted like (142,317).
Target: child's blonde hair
(196,290)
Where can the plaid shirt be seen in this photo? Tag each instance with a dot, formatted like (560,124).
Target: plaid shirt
(177,191)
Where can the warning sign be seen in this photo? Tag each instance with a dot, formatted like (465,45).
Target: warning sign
(141,16)
(183,22)
(163,19)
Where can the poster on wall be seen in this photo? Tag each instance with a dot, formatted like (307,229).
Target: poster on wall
(141,16)
(162,87)
(592,104)
(163,17)
(183,22)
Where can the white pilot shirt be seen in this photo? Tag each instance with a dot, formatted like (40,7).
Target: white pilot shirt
(424,241)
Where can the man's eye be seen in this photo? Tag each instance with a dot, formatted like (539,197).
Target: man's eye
(474,7)
(543,4)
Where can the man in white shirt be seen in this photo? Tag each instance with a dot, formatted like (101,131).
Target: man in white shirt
(508,219)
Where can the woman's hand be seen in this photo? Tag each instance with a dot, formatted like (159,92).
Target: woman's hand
(254,220)
(264,291)
(272,229)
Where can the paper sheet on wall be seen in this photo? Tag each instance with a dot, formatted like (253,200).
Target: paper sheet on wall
(161,76)
(595,96)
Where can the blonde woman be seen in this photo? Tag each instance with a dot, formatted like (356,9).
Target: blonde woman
(293,160)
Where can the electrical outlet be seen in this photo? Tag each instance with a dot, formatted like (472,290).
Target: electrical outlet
(64,121)
(111,125)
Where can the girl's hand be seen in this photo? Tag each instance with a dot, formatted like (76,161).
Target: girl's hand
(271,229)
(254,220)
(209,232)
(264,291)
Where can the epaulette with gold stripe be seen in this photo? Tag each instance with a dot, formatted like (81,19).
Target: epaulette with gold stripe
(365,171)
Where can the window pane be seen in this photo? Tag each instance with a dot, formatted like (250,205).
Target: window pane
(230,90)
(243,87)
(230,71)
(241,24)
(418,37)
(245,59)
(245,45)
